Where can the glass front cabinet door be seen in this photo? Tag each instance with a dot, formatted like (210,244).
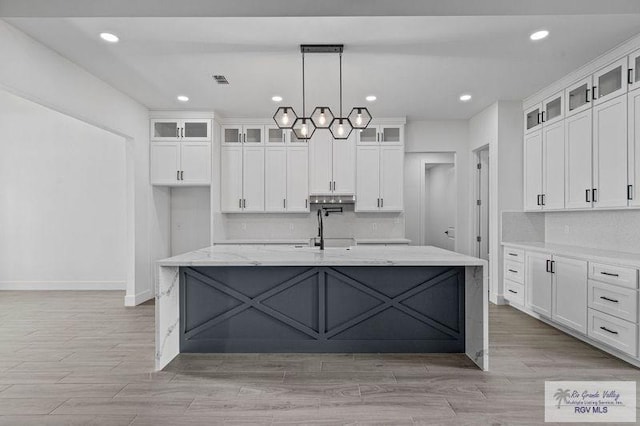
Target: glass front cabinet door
(533,118)
(633,73)
(578,96)
(196,130)
(165,130)
(553,108)
(610,81)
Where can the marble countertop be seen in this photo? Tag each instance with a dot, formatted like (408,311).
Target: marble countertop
(263,241)
(382,241)
(282,255)
(597,255)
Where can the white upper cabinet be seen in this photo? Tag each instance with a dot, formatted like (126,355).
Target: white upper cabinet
(380,134)
(533,118)
(380,178)
(193,130)
(553,165)
(253,179)
(533,171)
(195,158)
(633,184)
(633,73)
(321,163)
(368,179)
(297,179)
(231,179)
(274,135)
(610,152)
(165,163)
(180,163)
(391,178)
(243,134)
(610,81)
(578,153)
(553,109)
(275,179)
(578,96)
(344,166)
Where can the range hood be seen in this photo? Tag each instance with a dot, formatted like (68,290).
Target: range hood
(332,199)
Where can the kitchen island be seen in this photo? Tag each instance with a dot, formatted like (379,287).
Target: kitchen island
(301,299)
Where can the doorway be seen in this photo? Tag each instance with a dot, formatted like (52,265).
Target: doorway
(439,207)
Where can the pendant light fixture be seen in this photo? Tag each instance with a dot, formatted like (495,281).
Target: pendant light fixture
(322,117)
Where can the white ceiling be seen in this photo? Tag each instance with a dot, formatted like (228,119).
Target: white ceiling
(416,66)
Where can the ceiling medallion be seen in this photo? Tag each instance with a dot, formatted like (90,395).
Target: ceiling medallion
(322,117)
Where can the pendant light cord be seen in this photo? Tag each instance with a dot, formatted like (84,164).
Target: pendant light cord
(340,85)
(304,112)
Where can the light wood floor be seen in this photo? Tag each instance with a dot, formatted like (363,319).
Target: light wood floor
(81,358)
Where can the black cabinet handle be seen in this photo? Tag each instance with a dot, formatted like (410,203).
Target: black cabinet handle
(381,202)
(587,195)
(609,274)
(513,270)
(553,266)
(514,292)
(539,118)
(595,195)
(177,174)
(542,113)
(548,265)
(609,300)
(593,93)
(177,132)
(513,254)
(182,132)
(608,331)
(544,199)
(629,192)
(306,203)
(538,200)
(587,97)
(630,76)
(181,174)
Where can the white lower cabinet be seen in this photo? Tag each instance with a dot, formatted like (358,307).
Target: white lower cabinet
(514,292)
(569,292)
(538,282)
(180,163)
(615,332)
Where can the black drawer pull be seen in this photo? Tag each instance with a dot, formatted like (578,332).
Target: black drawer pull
(609,331)
(514,292)
(609,300)
(609,274)
(513,254)
(513,270)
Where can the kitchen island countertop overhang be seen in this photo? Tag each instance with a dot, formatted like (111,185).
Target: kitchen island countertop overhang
(273,270)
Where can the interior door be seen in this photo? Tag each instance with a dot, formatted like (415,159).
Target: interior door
(344,166)
(165,163)
(321,163)
(570,293)
(297,179)
(610,153)
(634,148)
(368,179)
(275,179)
(231,179)
(196,163)
(533,171)
(253,179)
(553,166)
(538,282)
(578,173)
(391,180)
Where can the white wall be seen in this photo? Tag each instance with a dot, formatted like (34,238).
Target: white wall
(431,137)
(63,201)
(190,219)
(440,205)
(35,72)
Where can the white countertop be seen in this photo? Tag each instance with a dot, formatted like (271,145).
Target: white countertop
(366,241)
(290,242)
(598,255)
(281,255)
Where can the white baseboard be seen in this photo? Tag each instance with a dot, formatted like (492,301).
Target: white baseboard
(497,299)
(63,285)
(136,299)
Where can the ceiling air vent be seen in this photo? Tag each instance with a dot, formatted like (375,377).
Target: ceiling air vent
(221,79)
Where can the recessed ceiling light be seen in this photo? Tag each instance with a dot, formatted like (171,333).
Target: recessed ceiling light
(277,99)
(465,98)
(111,38)
(539,35)
(371,98)
(183,98)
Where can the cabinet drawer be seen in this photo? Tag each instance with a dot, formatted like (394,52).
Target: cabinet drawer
(514,271)
(514,292)
(612,331)
(617,301)
(626,277)
(515,255)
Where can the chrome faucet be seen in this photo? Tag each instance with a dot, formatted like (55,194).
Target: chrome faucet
(327,211)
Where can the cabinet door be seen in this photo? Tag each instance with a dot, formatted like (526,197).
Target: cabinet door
(533,171)
(634,148)
(253,179)
(578,96)
(231,179)
(275,179)
(344,166)
(165,163)
(231,135)
(391,134)
(538,283)
(633,73)
(368,179)
(196,130)
(297,179)
(253,135)
(570,293)
(532,118)
(368,136)
(610,81)
(391,178)
(553,109)
(578,157)
(553,166)
(196,163)
(610,153)
(321,161)
(165,130)
(274,136)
